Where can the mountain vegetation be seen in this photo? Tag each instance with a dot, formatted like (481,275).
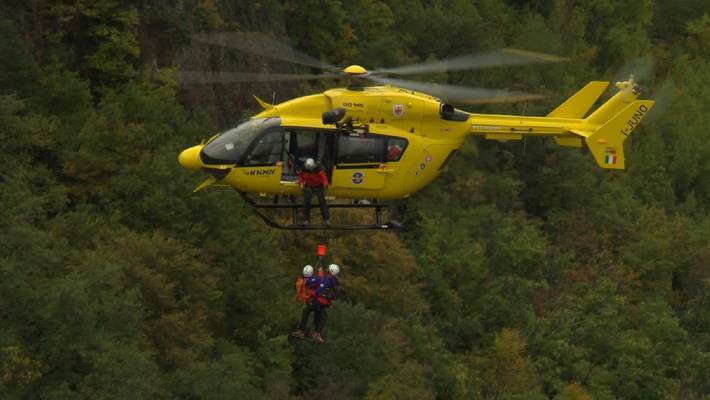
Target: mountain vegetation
(525,272)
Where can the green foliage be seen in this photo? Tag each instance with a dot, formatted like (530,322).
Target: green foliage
(15,68)
(404,383)
(334,40)
(30,194)
(685,154)
(511,374)
(386,275)
(363,350)
(228,374)
(82,326)
(671,18)
(120,137)
(110,47)
(524,272)
(573,391)
(421,33)
(699,31)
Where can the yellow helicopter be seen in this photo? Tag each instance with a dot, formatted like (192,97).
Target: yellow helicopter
(385,142)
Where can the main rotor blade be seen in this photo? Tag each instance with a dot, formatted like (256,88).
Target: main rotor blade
(496,58)
(207,77)
(460,94)
(262,45)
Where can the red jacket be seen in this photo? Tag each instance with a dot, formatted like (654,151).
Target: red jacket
(313,178)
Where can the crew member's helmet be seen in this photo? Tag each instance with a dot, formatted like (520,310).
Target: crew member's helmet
(334,269)
(307,271)
(310,164)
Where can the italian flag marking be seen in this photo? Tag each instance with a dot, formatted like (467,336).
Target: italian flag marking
(610,160)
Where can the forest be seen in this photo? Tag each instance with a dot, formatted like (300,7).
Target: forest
(525,271)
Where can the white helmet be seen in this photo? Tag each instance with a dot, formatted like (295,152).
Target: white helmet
(307,271)
(334,269)
(309,164)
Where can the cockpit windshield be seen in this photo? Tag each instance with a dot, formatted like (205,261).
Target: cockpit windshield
(229,146)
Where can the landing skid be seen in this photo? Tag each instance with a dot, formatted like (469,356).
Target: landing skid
(295,207)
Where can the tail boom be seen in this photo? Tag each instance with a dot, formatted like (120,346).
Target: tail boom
(604,130)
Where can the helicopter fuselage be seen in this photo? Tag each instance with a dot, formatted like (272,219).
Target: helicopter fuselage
(385,142)
(398,143)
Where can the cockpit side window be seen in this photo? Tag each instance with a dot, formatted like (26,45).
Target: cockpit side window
(267,149)
(232,146)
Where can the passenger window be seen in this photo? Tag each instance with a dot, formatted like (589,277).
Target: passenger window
(370,149)
(356,149)
(395,148)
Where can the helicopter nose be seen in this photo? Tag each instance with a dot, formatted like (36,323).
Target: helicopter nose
(190,158)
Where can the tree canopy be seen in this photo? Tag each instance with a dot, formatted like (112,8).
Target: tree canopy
(542,277)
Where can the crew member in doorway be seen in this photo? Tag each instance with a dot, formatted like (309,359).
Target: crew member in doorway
(312,179)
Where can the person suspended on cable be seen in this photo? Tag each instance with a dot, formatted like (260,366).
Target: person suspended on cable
(327,290)
(306,286)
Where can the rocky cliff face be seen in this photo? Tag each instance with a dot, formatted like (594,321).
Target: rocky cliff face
(224,100)
(164,30)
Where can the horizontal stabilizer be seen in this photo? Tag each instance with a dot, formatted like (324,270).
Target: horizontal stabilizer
(578,105)
(606,143)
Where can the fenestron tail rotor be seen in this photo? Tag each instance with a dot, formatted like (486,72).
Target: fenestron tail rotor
(643,69)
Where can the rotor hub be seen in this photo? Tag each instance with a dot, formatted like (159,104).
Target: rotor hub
(356,71)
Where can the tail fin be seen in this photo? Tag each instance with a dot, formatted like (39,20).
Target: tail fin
(606,142)
(578,105)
